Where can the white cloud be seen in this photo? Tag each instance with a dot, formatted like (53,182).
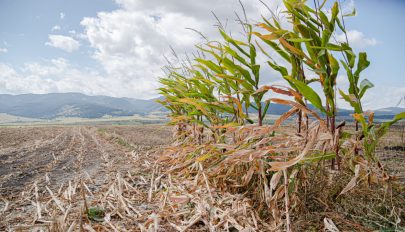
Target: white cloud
(59,75)
(62,15)
(63,42)
(56,28)
(380,96)
(130,42)
(357,39)
(383,96)
(3,50)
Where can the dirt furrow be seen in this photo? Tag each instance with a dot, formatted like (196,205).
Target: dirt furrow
(98,157)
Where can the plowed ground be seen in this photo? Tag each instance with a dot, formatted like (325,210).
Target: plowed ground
(53,157)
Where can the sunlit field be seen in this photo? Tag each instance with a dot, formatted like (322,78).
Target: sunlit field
(278,124)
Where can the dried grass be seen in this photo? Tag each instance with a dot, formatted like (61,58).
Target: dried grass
(236,183)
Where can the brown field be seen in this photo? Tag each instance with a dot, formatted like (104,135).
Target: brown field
(391,151)
(56,156)
(47,172)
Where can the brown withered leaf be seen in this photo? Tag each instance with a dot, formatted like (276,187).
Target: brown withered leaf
(353,182)
(278,166)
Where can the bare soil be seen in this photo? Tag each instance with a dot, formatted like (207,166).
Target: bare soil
(61,153)
(54,157)
(391,151)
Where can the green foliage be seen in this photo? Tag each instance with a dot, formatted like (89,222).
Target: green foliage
(372,133)
(223,82)
(308,93)
(96,214)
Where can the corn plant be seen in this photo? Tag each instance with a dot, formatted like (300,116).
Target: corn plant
(217,89)
(225,78)
(308,45)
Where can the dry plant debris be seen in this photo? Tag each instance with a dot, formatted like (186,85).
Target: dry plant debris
(145,188)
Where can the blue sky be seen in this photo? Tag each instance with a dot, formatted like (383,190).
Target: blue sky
(384,21)
(25,25)
(115,47)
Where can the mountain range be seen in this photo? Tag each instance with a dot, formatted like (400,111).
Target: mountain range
(54,105)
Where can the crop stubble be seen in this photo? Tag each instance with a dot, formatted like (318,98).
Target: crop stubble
(45,171)
(61,159)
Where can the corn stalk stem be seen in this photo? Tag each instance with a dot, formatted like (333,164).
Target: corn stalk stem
(287,202)
(356,151)
(299,121)
(260,116)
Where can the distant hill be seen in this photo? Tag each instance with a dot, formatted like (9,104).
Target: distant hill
(48,106)
(390,110)
(54,105)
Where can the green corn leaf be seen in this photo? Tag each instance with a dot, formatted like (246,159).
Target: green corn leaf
(360,118)
(364,85)
(230,40)
(256,72)
(319,157)
(254,107)
(396,118)
(234,68)
(324,20)
(334,64)
(297,13)
(399,116)
(294,66)
(250,120)
(234,42)
(249,32)
(263,51)
(334,47)
(323,4)
(211,65)
(266,107)
(383,129)
(308,93)
(353,83)
(329,46)
(362,64)
(351,57)
(252,54)
(335,12)
(321,52)
(299,40)
(308,81)
(235,55)
(308,9)
(278,49)
(281,69)
(308,33)
(230,77)
(326,34)
(352,100)
(340,25)
(353,13)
